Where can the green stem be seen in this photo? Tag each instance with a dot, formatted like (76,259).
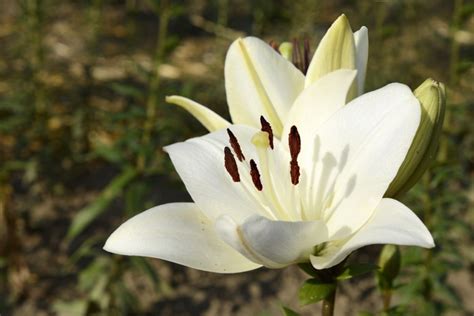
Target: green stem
(328,304)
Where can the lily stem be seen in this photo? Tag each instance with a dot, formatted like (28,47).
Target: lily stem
(387,298)
(328,304)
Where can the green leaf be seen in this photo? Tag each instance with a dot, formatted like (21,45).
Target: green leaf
(87,215)
(289,312)
(356,269)
(364,313)
(314,290)
(70,308)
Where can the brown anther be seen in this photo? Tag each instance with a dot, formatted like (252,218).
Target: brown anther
(296,58)
(231,165)
(274,45)
(301,59)
(294,142)
(306,52)
(255,175)
(294,172)
(266,127)
(235,145)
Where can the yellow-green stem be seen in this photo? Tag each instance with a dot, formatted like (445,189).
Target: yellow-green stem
(387,299)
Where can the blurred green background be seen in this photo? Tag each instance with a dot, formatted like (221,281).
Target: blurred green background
(83,121)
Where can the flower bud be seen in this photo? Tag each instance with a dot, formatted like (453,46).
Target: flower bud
(432,98)
(286,50)
(389,264)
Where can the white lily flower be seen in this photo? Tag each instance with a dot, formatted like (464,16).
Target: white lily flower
(260,81)
(315,195)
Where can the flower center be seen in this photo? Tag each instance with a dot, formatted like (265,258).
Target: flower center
(261,141)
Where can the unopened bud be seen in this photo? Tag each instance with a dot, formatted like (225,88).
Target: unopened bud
(286,50)
(335,51)
(389,264)
(432,98)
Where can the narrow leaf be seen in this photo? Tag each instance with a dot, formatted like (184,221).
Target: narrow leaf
(87,215)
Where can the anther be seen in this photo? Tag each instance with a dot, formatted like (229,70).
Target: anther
(235,145)
(266,127)
(306,53)
(294,172)
(294,142)
(297,55)
(231,165)
(274,45)
(255,174)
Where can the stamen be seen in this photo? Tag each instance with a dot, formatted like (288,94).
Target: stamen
(274,45)
(266,127)
(255,175)
(306,52)
(294,172)
(301,57)
(296,58)
(294,142)
(231,165)
(235,145)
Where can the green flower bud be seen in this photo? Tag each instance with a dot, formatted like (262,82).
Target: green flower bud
(286,50)
(432,97)
(389,263)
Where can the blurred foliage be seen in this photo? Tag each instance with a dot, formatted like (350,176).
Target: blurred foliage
(83,121)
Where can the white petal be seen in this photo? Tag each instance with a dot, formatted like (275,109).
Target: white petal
(319,101)
(358,154)
(200,164)
(361,39)
(211,120)
(391,223)
(259,81)
(336,50)
(274,244)
(180,233)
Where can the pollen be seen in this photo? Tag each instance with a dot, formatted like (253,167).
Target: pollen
(231,165)
(266,127)
(255,174)
(235,145)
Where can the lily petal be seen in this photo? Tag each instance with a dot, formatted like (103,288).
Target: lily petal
(200,164)
(391,223)
(210,119)
(335,51)
(319,101)
(274,244)
(361,39)
(360,151)
(259,81)
(180,233)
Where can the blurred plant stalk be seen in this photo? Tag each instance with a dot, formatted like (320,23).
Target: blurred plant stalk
(164,13)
